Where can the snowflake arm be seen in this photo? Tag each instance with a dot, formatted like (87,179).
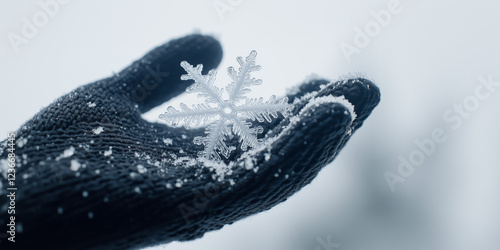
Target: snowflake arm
(198,114)
(257,109)
(214,141)
(242,80)
(247,135)
(204,85)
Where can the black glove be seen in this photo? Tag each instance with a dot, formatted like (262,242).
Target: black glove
(92,173)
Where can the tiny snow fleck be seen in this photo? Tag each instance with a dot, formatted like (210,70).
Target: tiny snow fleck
(286,176)
(168,185)
(133,174)
(91,141)
(267,156)
(248,163)
(19,227)
(137,155)
(108,152)
(178,184)
(349,133)
(181,151)
(141,169)
(231,182)
(85,193)
(276,175)
(21,142)
(220,168)
(91,215)
(98,130)
(106,199)
(59,210)
(67,153)
(91,104)
(184,137)
(138,190)
(168,141)
(25,176)
(75,165)
(97,171)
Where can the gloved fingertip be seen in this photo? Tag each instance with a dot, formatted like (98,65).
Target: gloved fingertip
(362,93)
(155,78)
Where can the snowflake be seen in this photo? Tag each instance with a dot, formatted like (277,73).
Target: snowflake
(233,118)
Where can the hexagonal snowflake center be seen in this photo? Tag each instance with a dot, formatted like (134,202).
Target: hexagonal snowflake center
(227,110)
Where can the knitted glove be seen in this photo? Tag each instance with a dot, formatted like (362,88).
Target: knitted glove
(92,174)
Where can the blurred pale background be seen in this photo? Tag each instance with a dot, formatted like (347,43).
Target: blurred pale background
(425,60)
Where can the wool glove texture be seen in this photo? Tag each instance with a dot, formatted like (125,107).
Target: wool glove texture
(93,174)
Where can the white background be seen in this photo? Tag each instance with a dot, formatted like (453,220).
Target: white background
(425,60)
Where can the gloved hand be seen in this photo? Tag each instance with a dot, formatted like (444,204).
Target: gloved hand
(92,173)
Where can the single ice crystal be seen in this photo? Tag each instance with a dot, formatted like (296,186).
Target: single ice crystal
(75,165)
(233,117)
(98,130)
